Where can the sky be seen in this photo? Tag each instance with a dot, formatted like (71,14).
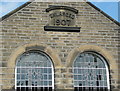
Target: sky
(108,6)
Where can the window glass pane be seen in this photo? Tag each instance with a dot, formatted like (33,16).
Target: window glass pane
(75,71)
(79,77)
(22,83)
(50,82)
(50,77)
(18,83)
(18,76)
(18,70)
(75,77)
(49,70)
(23,70)
(75,83)
(45,77)
(23,76)
(45,70)
(45,83)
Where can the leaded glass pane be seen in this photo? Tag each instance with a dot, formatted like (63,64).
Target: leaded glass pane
(90,71)
(34,69)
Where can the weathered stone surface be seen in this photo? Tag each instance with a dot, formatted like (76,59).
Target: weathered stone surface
(25,29)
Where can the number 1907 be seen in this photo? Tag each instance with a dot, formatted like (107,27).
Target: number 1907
(62,22)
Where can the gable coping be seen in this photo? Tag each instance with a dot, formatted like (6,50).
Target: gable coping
(15,10)
(109,17)
(24,5)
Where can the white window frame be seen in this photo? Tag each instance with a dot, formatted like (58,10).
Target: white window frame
(106,67)
(40,67)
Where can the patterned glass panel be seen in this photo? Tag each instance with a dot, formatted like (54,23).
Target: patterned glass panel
(90,72)
(34,69)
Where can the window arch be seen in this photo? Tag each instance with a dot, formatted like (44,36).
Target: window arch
(90,72)
(34,71)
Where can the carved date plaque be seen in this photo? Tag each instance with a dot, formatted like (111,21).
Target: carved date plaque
(62,18)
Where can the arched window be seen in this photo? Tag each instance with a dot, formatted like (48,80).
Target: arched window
(34,71)
(90,73)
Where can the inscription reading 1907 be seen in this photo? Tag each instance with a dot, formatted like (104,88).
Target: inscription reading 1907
(62,22)
(62,18)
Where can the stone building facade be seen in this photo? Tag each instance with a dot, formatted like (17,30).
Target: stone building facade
(22,33)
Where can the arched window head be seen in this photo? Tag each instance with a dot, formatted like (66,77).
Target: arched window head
(90,72)
(34,70)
